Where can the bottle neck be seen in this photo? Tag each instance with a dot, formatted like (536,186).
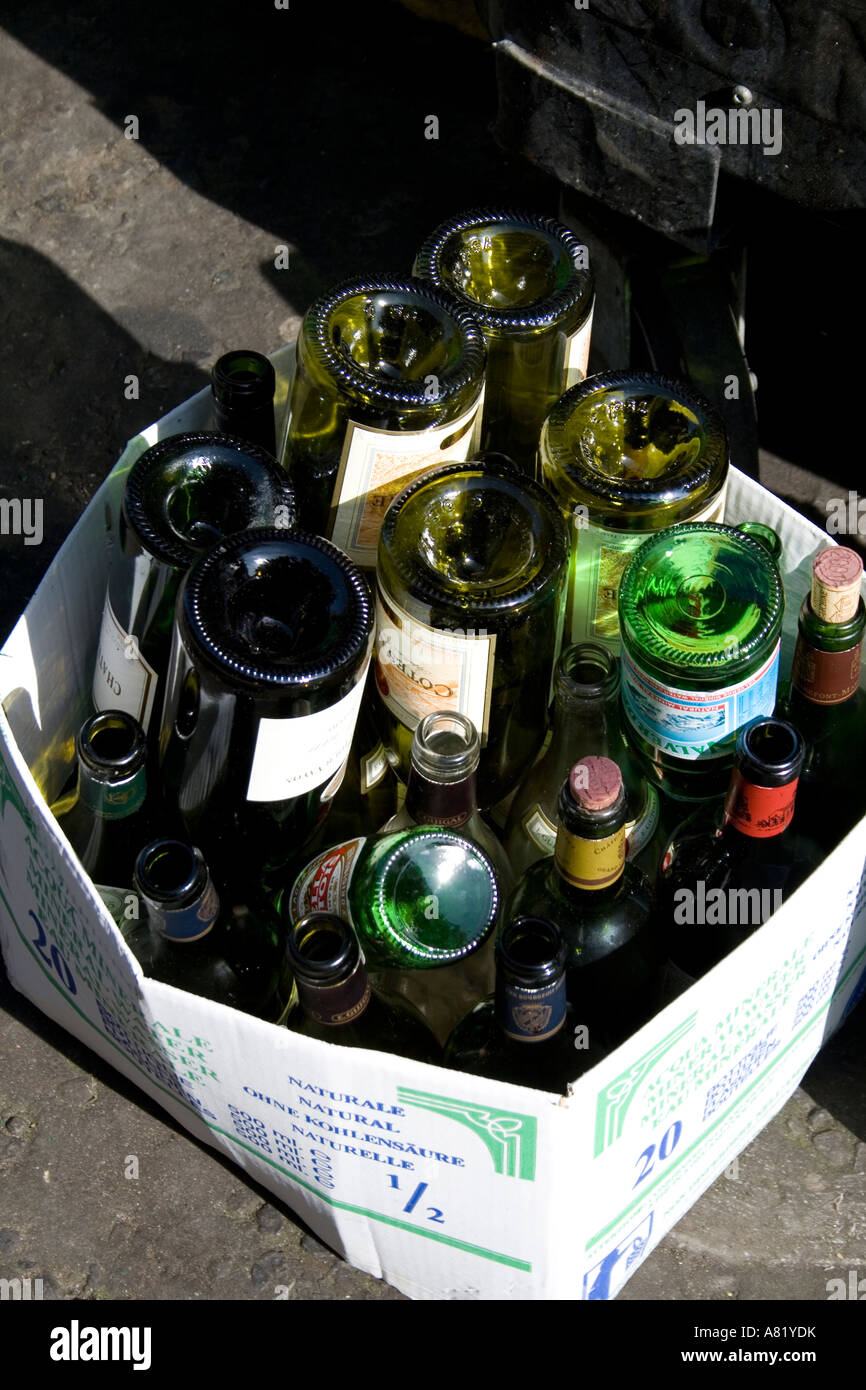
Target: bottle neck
(440,803)
(529,1014)
(590,864)
(337,1002)
(756,812)
(111,798)
(825,677)
(173,879)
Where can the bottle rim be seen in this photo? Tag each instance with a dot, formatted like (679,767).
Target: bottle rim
(560,462)
(202,583)
(343,957)
(752,760)
(389,924)
(165,544)
(649,652)
(551,957)
(117,766)
(578,292)
(436,765)
(568,686)
(378,391)
(228,390)
(493,475)
(184,883)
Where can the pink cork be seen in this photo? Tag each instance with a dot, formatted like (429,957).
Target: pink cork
(595,783)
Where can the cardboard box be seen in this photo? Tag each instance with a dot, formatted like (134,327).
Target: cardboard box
(445,1185)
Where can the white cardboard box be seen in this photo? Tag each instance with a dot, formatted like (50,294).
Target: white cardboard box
(445,1185)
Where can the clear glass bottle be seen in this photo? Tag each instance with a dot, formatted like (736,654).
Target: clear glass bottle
(729,867)
(182,496)
(527,1032)
(701,616)
(527,281)
(271,649)
(388,384)
(626,454)
(586,720)
(471,573)
(336,1002)
(224,949)
(243,383)
(602,904)
(825,701)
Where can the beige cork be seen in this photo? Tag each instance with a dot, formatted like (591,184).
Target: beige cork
(836,577)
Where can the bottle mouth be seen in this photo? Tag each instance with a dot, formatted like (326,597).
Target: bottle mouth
(278,609)
(243,375)
(170,871)
(189,491)
(512,270)
(532,950)
(322,948)
(445,747)
(769,752)
(587,671)
(634,438)
(395,344)
(488,535)
(112,744)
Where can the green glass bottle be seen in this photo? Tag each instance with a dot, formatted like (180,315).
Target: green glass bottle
(472,563)
(243,383)
(586,720)
(527,1032)
(700,616)
(602,904)
(626,454)
(336,1002)
(271,649)
(388,383)
(182,496)
(825,701)
(106,815)
(526,279)
(729,867)
(190,936)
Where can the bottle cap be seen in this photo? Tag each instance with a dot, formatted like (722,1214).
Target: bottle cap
(836,574)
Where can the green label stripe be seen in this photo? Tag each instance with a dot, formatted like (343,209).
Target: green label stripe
(615,1099)
(495,1256)
(510,1136)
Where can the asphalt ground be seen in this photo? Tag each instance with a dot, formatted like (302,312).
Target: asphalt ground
(145,258)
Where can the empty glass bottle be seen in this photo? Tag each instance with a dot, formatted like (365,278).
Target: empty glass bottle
(242,385)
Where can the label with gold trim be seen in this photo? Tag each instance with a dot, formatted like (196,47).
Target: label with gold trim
(590,864)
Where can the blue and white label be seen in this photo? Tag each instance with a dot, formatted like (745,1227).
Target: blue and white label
(691,723)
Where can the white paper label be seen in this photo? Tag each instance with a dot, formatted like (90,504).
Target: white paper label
(122,679)
(422,669)
(577,354)
(373,769)
(377,464)
(541,831)
(294,756)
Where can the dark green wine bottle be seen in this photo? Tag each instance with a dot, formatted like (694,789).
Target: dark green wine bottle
(336,1002)
(107,815)
(182,496)
(228,950)
(243,383)
(602,905)
(388,384)
(472,567)
(368,793)
(825,700)
(271,649)
(526,279)
(527,1032)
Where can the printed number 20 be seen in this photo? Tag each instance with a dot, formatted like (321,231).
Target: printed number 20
(668,1143)
(54,960)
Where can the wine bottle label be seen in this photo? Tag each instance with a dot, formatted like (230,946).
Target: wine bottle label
(540,830)
(590,864)
(639,832)
(422,669)
(577,353)
(186,923)
(531,1015)
(336,1004)
(759,811)
(690,723)
(373,768)
(598,563)
(825,678)
(323,885)
(294,756)
(377,464)
(122,679)
(112,800)
(440,803)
